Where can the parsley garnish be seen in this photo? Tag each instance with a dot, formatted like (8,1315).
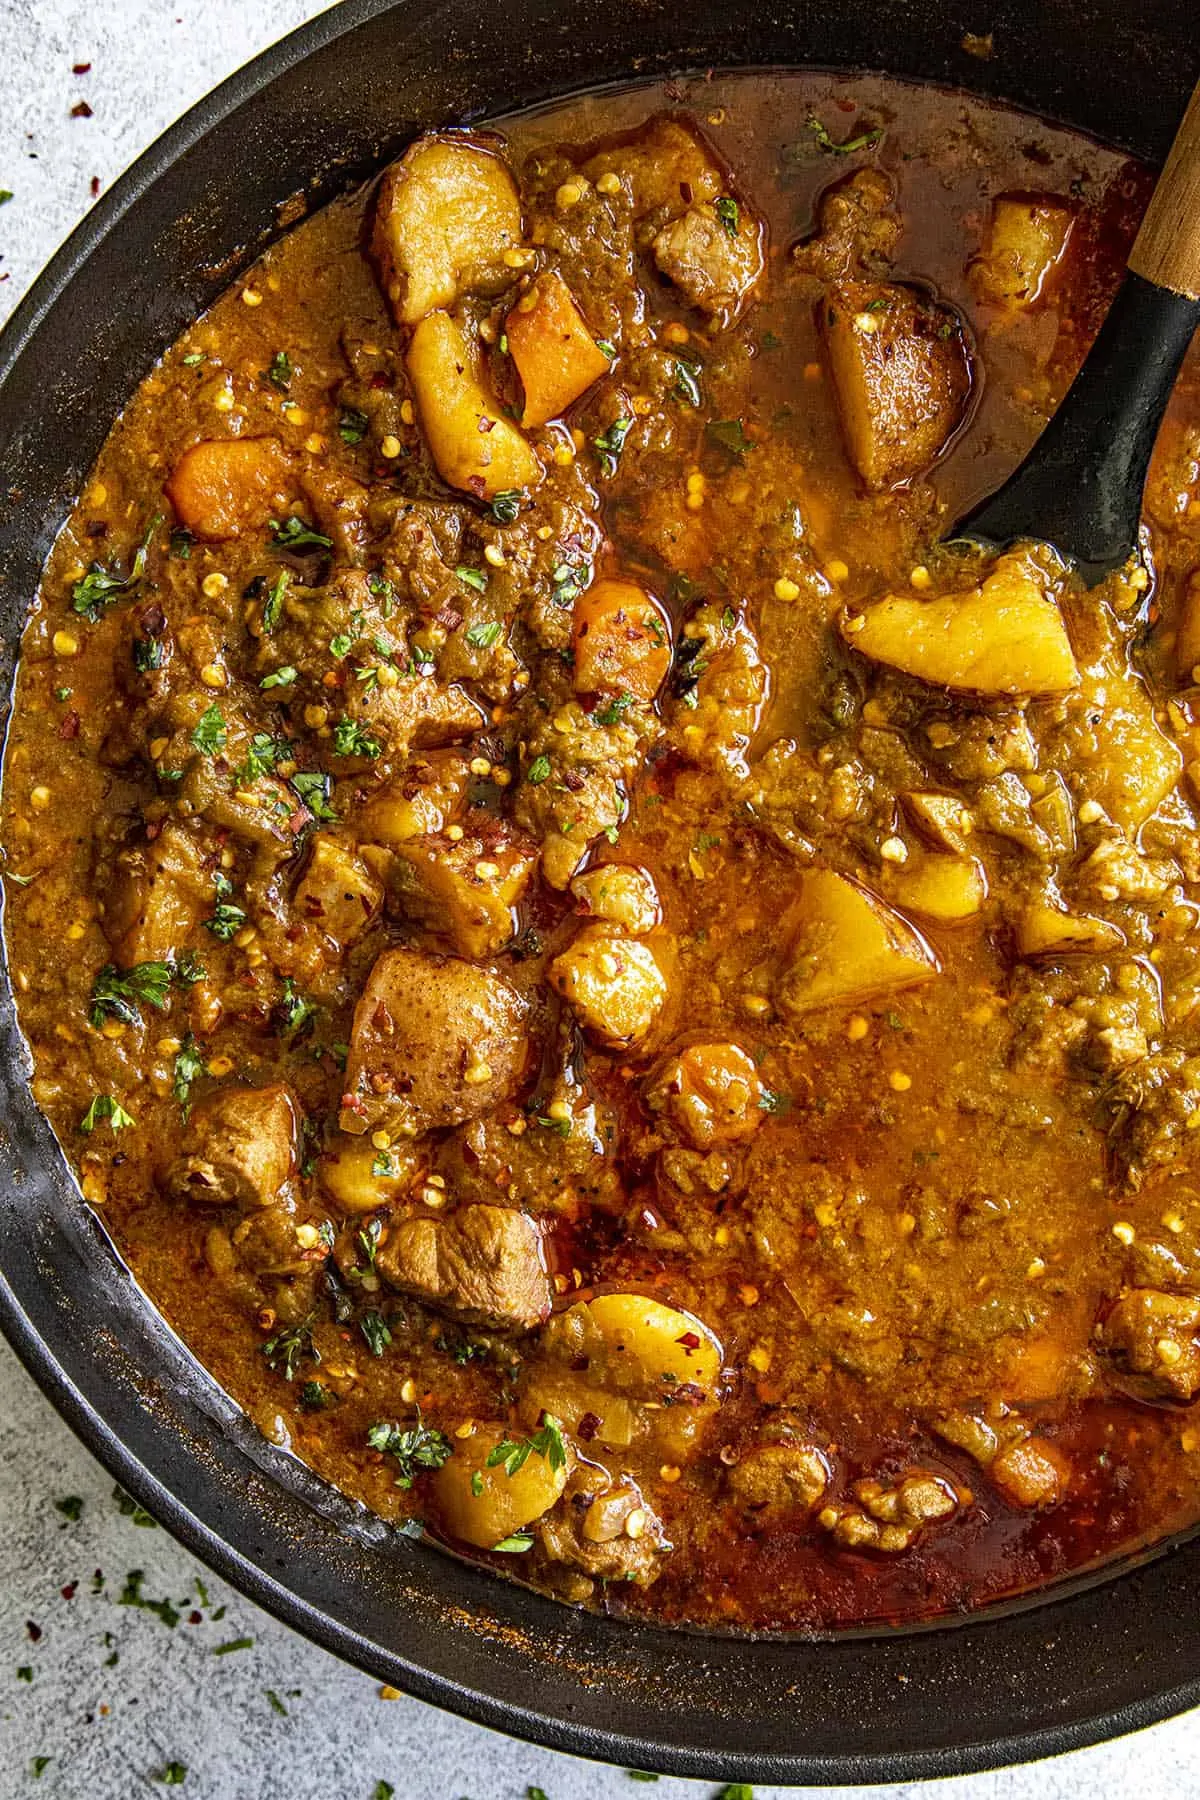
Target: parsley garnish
(174,1775)
(352,425)
(284,1351)
(313,789)
(514,1545)
(188,1065)
(607,349)
(70,1508)
(227,919)
(771,1102)
(614,711)
(147,654)
(546,1441)
(415,1447)
(273,604)
(375,1329)
(729,213)
(209,734)
(349,739)
(863,141)
(474,578)
(279,677)
(105,1107)
(686,386)
(482,637)
(611,443)
(280,372)
(727,435)
(116,995)
(293,1009)
(384,1166)
(296,534)
(505,506)
(102,587)
(538,771)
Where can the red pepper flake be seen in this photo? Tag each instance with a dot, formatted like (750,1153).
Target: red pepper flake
(448,618)
(70,726)
(486,424)
(690,1340)
(588,1426)
(80,68)
(195,1618)
(95,186)
(81,110)
(33,1632)
(379,381)
(68,1592)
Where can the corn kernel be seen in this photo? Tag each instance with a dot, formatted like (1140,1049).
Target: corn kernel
(786,588)
(252,297)
(65,643)
(492,553)
(39,799)
(76,931)
(920,576)
(759,1359)
(569,194)
(221,1066)
(608,183)
(316,716)
(407,412)
(635,1524)
(837,570)
(477,1073)
(894,850)
(563,455)
(1124,1232)
(676,333)
(390,447)
(668,1472)
(899,1081)
(214,584)
(214,676)
(314,443)
(857,1028)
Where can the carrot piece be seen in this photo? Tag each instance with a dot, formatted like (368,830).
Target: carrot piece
(224,486)
(555,354)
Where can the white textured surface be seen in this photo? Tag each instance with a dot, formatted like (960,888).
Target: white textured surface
(110,1727)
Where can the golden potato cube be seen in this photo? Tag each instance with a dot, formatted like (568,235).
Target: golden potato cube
(660,1346)
(485,1506)
(613,982)
(845,945)
(467,890)
(225,486)
(620,893)
(901,374)
(444,216)
(1026,237)
(621,640)
(358,1178)
(944,889)
(1004,637)
(430,794)
(473,445)
(942,818)
(337,893)
(1045,929)
(555,354)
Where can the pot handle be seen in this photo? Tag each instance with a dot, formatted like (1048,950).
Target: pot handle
(1166,250)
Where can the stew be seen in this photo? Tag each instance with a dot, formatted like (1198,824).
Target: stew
(637,1011)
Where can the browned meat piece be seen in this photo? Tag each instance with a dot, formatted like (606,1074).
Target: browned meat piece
(667,165)
(858,230)
(1153,1342)
(339,505)
(713,722)
(239,1148)
(781,1478)
(484,1264)
(902,375)
(158,894)
(890,1518)
(603,1526)
(466,889)
(1154,1105)
(1031,1472)
(714,255)
(415,711)
(435,1041)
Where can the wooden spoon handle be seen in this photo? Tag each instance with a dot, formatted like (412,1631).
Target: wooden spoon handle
(1166,250)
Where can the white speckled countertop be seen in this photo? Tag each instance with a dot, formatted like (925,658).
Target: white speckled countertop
(103,1693)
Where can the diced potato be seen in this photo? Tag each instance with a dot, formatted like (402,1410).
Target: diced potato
(225,486)
(555,354)
(358,1178)
(621,894)
(659,1347)
(570,1398)
(158,894)
(1031,1472)
(337,894)
(901,374)
(444,216)
(467,890)
(712,1092)
(845,945)
(621,640)
(1004,637)
(484,1506)
(473,445)
(1024,243)
(1187,631)
(942,818)
(944,889)
(426,800)
(613,982)
(1110,741)
(1044,929)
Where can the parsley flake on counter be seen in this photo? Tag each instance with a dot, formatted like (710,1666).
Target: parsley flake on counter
(383,1791)
(173,1775)
(242,1643)
(71,1507)
(105,1107)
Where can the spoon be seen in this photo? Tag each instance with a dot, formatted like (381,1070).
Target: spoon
(1080,487)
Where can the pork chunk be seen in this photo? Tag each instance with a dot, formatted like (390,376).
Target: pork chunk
(485,1264)
(603,1527)
(713,254)
(781,1478)
(1153,1342)
(157,896)
(239,1148)
(613,982)
(435,1041)
(466,888)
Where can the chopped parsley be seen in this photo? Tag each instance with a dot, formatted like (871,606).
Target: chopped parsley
(117,994)
(313,788)
(482,637)
(280,372)
(189,1063)
(279,678)
(71,1508)
(350,739)
(686,385)
(147,654)
(273,604)
(607,349)
(105,1107)
(285,1350)
(209,735)
(729,213)
(39,1764)
(538,771)
(101,587)
(352,425)
(611,443)
(771,1102)
(519,1541)
(242,1643)
(864,141)
(568,583)
(415,1447)
(384,1168)
(546,1441)
(383,1791)
(293,1009)
(375,1329)
(173,1775)
(473,578)
(727,435)
(614,711)
(227,919)
(505,506)
(294,533)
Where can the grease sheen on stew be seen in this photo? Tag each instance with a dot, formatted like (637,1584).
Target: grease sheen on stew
(630,1008)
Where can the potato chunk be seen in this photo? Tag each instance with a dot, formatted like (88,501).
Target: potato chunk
(473,445)
(486,1506)
(434,1041)
(555,354)
(429,795)
(712,1093)
(649,1347)
(621,640)
(466,889)
(337,895)
(1026,237)
(845,946)
(620,893)
(901,374)
(158,894)
(358,1178)
(944,889)
(1044,929)
(444,216)
(1005,636)
(613,983)
(226,486)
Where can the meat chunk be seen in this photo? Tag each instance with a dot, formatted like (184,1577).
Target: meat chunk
(713,254)
(158,894)
(781,1478)
(466,888)
(434,1041)
(1026,238)
(417,711)
(668,166)
(603,1527)
(621,894)
(337,896)
(901,373)
(239,1148)
(445,215)
(711,1092)
(1155,1107)
(890,1518)
(722,683)
(858,228)
(613,982)
(1153,1343)
(223,487)
(575,768)
(485,1264)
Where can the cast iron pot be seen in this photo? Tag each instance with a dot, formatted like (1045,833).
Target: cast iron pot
(316,113)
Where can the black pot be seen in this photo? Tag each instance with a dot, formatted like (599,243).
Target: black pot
(316,113)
